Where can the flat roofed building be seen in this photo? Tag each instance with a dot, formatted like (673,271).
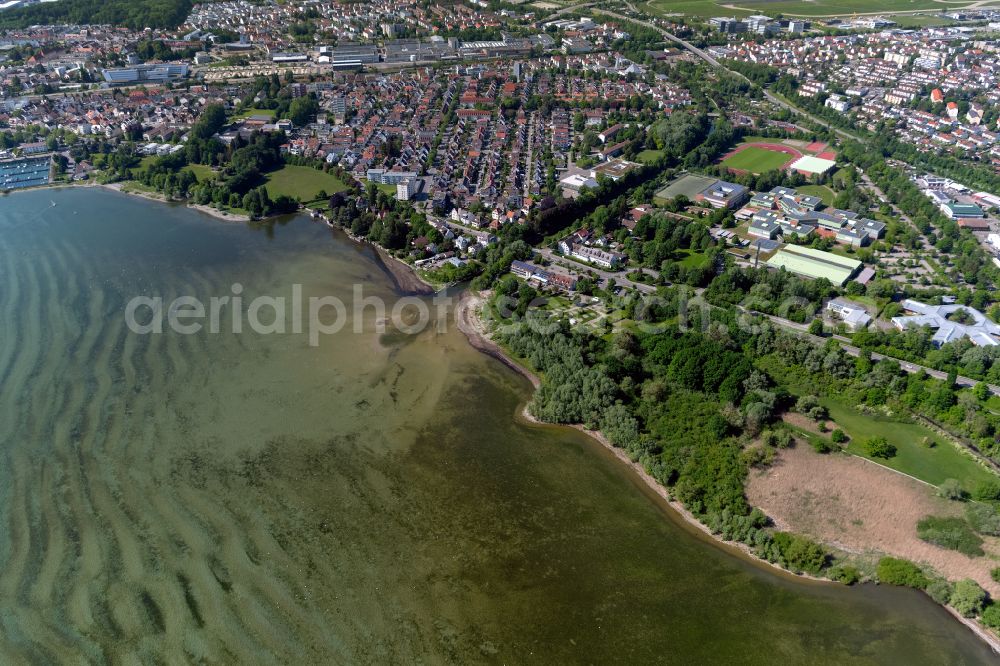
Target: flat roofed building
(852,314)
(721,194)
(950,321)
(958,210)
(813,165)
(764,228)
(809,263)
(143,73)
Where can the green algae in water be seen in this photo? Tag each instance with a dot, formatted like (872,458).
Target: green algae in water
(243,498)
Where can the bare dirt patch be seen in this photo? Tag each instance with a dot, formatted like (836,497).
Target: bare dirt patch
(803,422)
(857,506)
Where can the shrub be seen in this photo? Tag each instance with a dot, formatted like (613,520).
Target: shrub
(845,574)
(968,598)
(838,436)
(779,439)
(950,533)
(878,447)
(952,489)
(895,571)
(991,616)
(987,491)
(984,518)
(799,553)
(809,405)
(820,445)
(995,574)
(940,591)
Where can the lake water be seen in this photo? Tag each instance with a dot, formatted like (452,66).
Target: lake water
(223,498)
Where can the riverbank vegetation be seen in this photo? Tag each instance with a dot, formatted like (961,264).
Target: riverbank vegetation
(700,406)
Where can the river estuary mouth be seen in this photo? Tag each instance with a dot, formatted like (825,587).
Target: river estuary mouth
(246,498)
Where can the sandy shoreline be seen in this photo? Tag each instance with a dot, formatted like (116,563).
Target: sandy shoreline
(119,187)
(472,325)
(403,274)
(208,210)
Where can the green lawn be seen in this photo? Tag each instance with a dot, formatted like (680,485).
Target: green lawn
(302,183)
(143,165)
(756,160)
(691,259)
(202,172)
(913,457)
(246,113)
(649,156)
(821,191)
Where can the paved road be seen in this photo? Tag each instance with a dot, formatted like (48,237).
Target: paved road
(707,57)
(895,209)
(851,350)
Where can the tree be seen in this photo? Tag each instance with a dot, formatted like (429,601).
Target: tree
(816,327)
(211,120)
(879,447)
(981,391)
(968,598)
(301,110)
(838,436)
(991,616)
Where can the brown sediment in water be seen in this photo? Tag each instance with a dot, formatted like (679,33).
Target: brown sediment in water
(403,275)
(470,322)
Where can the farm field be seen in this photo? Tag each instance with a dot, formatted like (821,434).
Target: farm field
(302,183)
(807,8)
(756,160)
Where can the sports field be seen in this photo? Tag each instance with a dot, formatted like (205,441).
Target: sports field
(756,159)
(688,185)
